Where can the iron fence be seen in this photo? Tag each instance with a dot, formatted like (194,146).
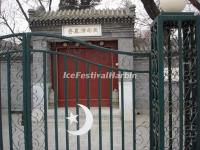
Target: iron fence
(33,116)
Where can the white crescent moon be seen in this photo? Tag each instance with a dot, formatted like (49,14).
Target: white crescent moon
(88,122)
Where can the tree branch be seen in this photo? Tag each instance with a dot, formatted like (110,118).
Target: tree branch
(22,10)
(9,27)
(7,24)
(151,8)
(195,3)
(41,3)
(50,2)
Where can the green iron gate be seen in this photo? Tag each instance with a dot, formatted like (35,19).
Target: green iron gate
(175,82)
(30,122)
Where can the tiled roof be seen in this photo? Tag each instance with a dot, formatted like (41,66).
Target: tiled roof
(83,16)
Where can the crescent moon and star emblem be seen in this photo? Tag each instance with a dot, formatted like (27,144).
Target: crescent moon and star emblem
(88,121)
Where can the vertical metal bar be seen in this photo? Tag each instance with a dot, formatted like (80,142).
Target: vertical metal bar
(27,109)
(45,101)
(99,106)
(170,88)
(66,102)
(122,109)
(150,89)
(134,119)
(180,84)
(186,54)
(161,83)
(198,81)
(77,102)
(194,84)
(88,102)
(111,112)
(55,100)
(9,100)
(187,89)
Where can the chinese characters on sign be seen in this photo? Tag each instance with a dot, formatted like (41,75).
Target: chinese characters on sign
(81,30)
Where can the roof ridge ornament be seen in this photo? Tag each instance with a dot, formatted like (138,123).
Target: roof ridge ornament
(131,9)
(36,12)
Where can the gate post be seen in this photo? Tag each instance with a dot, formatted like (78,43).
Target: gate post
(175,77)
(157,82)
(27,92)
(198,80)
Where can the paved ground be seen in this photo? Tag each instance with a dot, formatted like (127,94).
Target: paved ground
(38,131)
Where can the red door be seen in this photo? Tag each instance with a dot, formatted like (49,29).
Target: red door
(100,57)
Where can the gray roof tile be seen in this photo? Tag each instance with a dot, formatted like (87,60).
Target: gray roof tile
(77,16)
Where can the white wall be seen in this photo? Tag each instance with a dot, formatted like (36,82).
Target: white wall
(128,100)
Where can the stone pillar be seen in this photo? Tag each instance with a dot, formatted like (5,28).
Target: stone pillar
(37,74)
(37,71)
(126,62)
(142,85)
(38,89)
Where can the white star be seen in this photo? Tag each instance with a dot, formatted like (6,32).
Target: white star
(72,118)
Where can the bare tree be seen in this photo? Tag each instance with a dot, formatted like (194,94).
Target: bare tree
(41,5)
(195,3)
(10,14)
(151,8)
(22,10)
(77,4)
(44,5)
(88,3)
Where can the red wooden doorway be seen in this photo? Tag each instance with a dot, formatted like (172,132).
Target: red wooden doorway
(100,57)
